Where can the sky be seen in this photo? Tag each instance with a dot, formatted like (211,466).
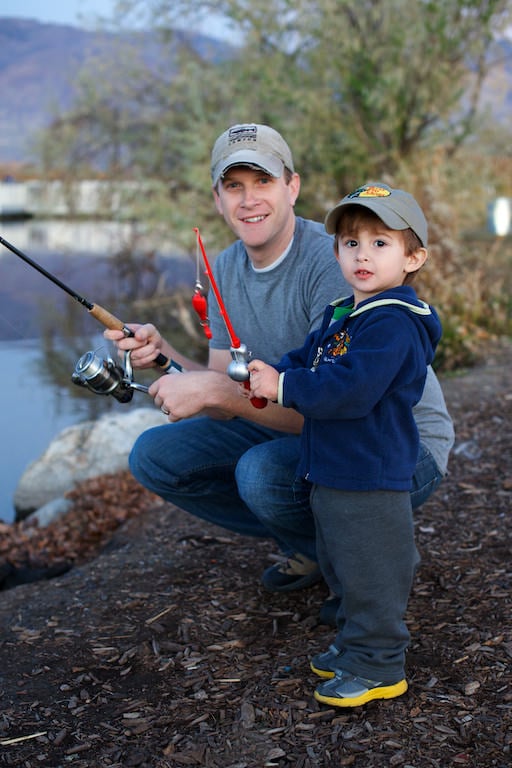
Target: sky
(74,12)
(84,13)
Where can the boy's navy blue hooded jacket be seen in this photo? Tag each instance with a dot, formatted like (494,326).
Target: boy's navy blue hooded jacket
(355,380)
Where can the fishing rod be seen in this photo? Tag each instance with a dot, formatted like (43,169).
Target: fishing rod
(105,317)
(237,369)
(105,376)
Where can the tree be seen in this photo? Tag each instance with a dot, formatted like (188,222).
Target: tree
(359,87)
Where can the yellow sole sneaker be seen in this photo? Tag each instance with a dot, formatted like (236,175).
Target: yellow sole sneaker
(323,664)
(345,690)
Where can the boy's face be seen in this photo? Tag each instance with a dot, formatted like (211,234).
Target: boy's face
(374,259)
(259,210)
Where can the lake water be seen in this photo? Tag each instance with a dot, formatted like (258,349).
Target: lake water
(43,331)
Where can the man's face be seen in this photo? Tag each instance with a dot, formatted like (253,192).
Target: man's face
(258,207)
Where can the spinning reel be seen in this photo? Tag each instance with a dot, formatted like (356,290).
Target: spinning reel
(105,377)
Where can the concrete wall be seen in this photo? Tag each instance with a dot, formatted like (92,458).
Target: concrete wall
(56,198)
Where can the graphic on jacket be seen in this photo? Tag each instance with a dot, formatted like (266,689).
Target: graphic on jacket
(336,347)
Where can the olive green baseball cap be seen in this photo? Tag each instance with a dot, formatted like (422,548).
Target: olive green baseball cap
(258,146)
(396,208)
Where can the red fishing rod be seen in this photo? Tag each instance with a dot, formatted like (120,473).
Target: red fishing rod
(104,316)
(237,369)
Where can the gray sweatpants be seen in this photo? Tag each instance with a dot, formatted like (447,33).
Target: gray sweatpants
(367,554)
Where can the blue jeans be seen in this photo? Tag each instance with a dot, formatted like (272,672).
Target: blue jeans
(241,476)
(192,464)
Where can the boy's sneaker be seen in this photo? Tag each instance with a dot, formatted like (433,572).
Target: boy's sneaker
(296,572)
(325,664)
(346,690)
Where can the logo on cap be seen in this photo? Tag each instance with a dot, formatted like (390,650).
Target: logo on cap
(370,192)
(242,133)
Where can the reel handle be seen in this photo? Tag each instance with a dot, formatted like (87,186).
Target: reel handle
(238,371)
(257,402)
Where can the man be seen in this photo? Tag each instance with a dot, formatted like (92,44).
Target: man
(220,458)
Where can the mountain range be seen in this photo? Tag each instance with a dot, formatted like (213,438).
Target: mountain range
(39,64)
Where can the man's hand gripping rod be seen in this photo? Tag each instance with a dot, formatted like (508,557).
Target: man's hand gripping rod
(237,369)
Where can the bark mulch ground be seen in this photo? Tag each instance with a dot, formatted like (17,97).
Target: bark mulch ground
(158,648)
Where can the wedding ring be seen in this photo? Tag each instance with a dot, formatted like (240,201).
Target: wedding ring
(164,410)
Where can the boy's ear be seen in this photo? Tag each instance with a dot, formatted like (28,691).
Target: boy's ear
(416,260)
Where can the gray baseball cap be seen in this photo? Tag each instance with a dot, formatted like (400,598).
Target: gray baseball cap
(396,208)
(258,146)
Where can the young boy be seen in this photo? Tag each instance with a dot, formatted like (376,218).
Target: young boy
(356,380)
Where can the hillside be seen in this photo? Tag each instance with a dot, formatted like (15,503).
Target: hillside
(39,65)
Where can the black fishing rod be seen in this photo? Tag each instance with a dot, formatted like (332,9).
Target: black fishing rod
(104,316)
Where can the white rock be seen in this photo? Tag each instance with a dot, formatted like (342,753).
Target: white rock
(80,452)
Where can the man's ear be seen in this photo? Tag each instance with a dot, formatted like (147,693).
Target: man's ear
(416,260)
(218,203)
(294,188)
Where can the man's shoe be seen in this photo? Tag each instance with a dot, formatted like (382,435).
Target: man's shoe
(296,572)
(329,610)
(346,690)
(325,664)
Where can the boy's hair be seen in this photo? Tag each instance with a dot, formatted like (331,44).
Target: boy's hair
(354,218)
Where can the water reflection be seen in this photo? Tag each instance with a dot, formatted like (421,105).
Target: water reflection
(129,269)
(43,331)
